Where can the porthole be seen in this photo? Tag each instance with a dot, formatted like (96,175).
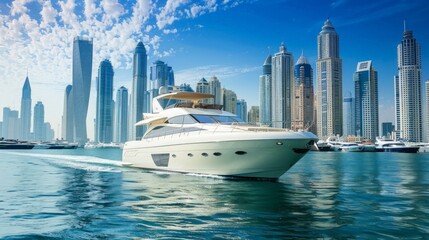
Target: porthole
(173,155)
(204,154)
(190,155)
(217,153)
(240,152)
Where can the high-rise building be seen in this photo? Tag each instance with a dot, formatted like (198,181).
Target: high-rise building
(387,129)
(265,93)
(49,132)
(203,87)
(104,110)
(121,110)
(5,126)
(329,83)
(1,129)
(216,90)
(25,111)
(229,101)
(67,121)
(397,131)
(82,72)
(282,91)
(366,99)
(39,122)
(11,124)
(427,111)
(160,79)
(409,85)
(349,118)
(253,115)
(139,99)
(242,109)
(304,96)
(185,88)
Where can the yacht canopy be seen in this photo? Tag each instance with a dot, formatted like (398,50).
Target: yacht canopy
(152,120)
(191,96)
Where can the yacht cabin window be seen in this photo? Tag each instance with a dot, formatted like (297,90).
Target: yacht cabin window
(216,119)
(184,119)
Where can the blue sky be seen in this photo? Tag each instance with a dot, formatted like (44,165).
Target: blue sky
(226,38)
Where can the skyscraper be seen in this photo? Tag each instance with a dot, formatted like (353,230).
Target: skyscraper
(253,115)
(39,122)
(366,95)
(82,72)
(229,101)
(67,121)
(25,111)
(329,83)
(349,117)
(10,124)
(121,126)
(409,83)
(397,132)
(139,101)
(265,93)
(104,111)
(161,81)
(282,92)
(427,111)
(216,90)
(242,109)
(387,128)
(304,96)
(203,87)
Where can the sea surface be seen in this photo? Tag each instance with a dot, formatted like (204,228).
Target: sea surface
(88,194)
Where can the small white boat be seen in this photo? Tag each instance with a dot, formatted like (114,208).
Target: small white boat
(351,147)
(389,145)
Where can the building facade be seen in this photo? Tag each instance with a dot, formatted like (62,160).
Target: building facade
(161,77)
(121,115)
(329,83)
(304,96)
(139,99)
(11,124)
(387,129)
(67,120)
(242,109)
(229,101)
(25,119)
(349,117)
(105,106)
(253,115)
(82,72)
(427,111)
(282,91)
(215,88)
(265,96)
(366,100)
(409,86)
(39,122)
(203,87)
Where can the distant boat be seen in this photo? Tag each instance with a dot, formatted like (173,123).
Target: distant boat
(56,145)
(389,145)
(15,144)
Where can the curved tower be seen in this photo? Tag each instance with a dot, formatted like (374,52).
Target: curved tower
(25,111)
(329,83)
(265,93)
(68,125)
(104,111)
(304,95)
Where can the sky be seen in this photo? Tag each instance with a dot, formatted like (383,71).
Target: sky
(226,38)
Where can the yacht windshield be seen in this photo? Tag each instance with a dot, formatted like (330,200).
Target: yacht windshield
(216,119)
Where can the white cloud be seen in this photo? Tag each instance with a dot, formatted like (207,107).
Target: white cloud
(48,14)
(112,8)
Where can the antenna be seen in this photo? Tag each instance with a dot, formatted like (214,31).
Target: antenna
(405,26)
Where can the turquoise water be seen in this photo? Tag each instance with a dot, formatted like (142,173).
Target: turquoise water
(86,194)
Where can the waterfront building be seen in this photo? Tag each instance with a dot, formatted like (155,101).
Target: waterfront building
(282,94)
(242,109)
(185,88)
(349,118)
(139,99)
(427,111)
(229,101)
(160,81)
(25,118)
(49,132)
(104,107)
(203,87)
(5,125)
(304,96)
(409,86)
(387,129)
(265,92)
(39,122)
(11,124)
(253,115)
(216,90)
(82,72)
(121,118)
(397,131)
(67,120)
(329,83)
(366,99)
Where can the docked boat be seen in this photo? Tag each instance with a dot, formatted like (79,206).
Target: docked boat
(351,147)
(193,137)
(389,145)
(14,144)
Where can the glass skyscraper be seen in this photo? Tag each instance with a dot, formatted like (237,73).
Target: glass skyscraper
(387,129)
(104,111)
(67,121)
(229,101)
(215,88)
(265,93)
(349,118)
(25,111)
(39,122)
(82,72)
(282,90)
(203,87)
(366,97)
(121,111)
(242,109)
(408,91)
(139,100)
(329,83)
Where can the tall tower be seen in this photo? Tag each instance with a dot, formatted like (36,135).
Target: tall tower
(397,132)
(304,96)
(82,72)
(265,93)
(410,86)
(39,122)
(282,88)
(329,83)
(229,101)
(67,123)
(349,118)
(242,109)
(139,101)
(104,111)
(25,111)
(215,89)
(203,87)
(121,132)
(427,111)
(366,94)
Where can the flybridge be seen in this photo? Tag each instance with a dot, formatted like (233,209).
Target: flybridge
(193,97)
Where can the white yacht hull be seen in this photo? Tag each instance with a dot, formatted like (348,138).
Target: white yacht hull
(268,155)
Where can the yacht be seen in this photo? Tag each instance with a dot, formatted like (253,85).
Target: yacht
(351,147)
(389,145)
(14,144)
(194,137)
